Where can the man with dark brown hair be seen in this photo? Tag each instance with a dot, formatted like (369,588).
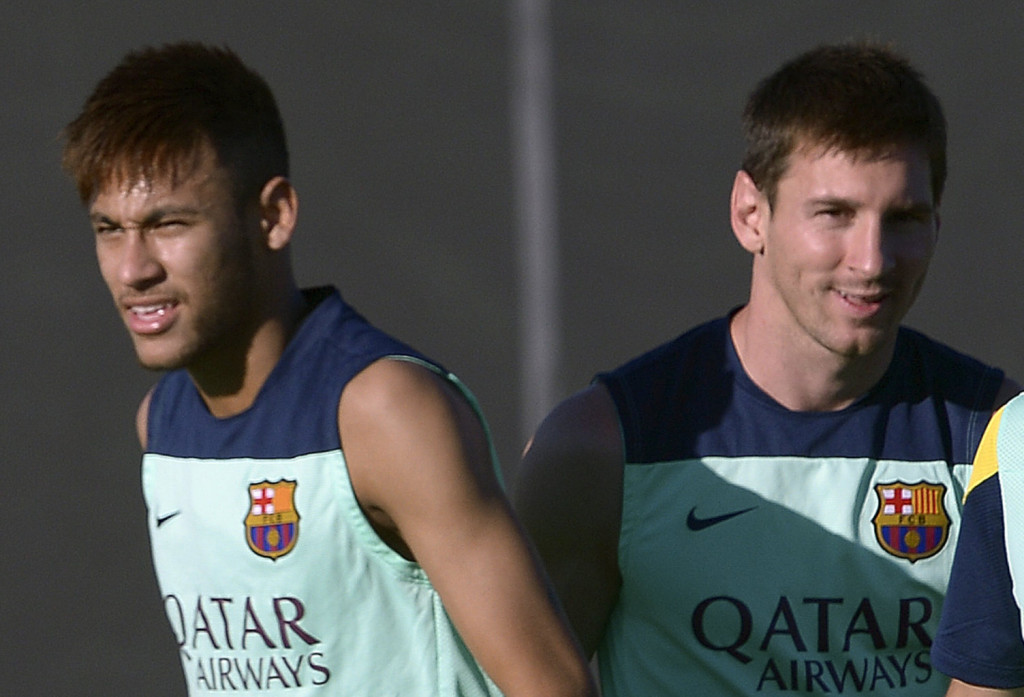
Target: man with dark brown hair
(765,504)
(324,509)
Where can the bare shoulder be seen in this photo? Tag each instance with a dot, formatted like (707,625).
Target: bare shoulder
(385,385)
(580,439)
(142,418)
(568,494)
(390,392)
(399,421)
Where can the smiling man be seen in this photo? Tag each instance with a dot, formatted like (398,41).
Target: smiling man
(324,508)
(767,504)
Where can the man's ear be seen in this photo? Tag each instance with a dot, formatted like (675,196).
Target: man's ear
(749,211)
(279,209)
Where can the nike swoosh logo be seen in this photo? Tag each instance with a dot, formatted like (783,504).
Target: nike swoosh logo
(164,518)
(697,524)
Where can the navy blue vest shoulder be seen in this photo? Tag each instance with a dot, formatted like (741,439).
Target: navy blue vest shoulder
(296,411)
(932,404)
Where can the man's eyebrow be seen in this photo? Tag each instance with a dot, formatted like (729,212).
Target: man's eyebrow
(829,200)
(97,217)
(907,205)
(153,216)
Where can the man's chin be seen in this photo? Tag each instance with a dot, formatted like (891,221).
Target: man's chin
(869,344)
(156,360)
(158,366)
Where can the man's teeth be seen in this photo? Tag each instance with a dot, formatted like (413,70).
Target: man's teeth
(150,309)
(860,298)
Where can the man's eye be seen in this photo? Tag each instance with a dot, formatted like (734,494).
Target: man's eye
(170,226)
(835,213)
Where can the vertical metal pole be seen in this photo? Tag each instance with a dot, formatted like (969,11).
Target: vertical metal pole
(536,210)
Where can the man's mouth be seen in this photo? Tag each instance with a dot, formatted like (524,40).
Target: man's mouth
(863,305)
(151,317)
(862,298)
(150,310)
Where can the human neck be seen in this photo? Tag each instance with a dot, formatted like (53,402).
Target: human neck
(230,381)
(802,375)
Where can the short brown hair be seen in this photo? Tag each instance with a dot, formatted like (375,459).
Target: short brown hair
(856,97)
(155,111)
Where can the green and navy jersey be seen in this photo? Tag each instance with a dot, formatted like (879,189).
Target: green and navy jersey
(767,551)
(980,636)
(272,578)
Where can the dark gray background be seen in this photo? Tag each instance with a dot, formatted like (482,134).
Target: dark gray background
(400,129)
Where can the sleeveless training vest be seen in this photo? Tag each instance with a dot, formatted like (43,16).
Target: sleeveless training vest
(767,551)
(273,580)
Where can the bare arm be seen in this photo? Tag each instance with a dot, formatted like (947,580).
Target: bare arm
(142,419)
(962,689)
(421,468)
(568,493)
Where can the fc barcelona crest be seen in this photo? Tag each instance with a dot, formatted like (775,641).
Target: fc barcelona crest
(911,522)
(272,524)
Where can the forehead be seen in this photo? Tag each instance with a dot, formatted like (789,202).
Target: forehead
(901,170)
(197,179)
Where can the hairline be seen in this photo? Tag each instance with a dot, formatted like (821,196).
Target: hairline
(805,142)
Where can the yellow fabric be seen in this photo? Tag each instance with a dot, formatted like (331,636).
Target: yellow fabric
(986,460)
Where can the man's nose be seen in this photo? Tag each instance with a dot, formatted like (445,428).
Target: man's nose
(139,266)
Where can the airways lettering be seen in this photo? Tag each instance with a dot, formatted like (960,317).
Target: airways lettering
(881,673)
(265,673)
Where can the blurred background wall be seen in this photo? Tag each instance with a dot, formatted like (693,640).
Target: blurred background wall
(401,119)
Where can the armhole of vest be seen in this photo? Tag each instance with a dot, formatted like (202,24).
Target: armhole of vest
(632,445)
(154,413)
(369,538)
(470,398)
